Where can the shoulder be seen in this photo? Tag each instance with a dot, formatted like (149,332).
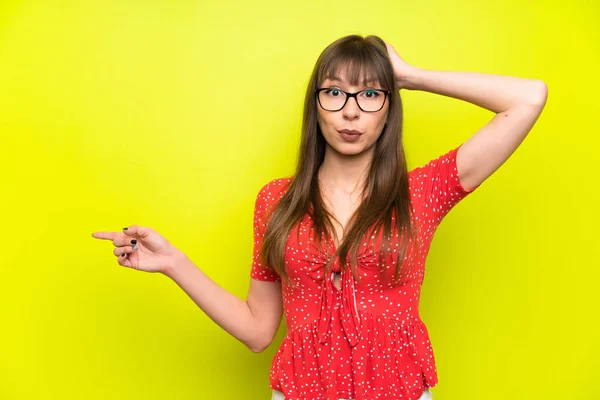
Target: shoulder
(424,174)
(448,158)
(272,191)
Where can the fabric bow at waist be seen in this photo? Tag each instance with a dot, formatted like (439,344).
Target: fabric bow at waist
(349,316)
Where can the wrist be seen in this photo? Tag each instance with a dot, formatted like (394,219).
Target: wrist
(174,263)
(411,79)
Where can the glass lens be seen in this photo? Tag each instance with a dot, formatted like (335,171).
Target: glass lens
(369,100)
(332,99)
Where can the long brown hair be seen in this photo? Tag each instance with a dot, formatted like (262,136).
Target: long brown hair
(386,194)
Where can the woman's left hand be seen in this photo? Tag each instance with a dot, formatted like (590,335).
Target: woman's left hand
(402,70)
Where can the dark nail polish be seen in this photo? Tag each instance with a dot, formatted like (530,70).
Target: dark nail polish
(133,241)
(123,255)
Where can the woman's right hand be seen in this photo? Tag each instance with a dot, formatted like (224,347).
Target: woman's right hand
(142,248)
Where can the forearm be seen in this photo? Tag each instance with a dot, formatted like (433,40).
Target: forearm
(225,309)
(496,93)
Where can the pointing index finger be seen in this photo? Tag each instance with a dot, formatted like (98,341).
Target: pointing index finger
(105,235)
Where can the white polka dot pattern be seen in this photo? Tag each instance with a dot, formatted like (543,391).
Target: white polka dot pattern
(365,340)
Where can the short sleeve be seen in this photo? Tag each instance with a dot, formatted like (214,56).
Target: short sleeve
(437,186)
(259,269)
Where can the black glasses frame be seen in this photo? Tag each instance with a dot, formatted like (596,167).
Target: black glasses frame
(349,95)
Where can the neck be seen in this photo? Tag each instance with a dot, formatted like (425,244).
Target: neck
(346,173)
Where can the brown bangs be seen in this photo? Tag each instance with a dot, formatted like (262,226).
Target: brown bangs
(359,65)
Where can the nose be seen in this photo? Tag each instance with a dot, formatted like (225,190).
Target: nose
(351,109)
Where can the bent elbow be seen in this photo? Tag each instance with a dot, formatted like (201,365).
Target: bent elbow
(260,345)
(258,348)
(540,95)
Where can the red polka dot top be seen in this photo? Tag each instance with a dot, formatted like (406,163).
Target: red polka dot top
(365,340)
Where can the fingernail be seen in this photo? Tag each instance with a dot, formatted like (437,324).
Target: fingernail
(135,247)
(125,229)
(133,241)
(123,255)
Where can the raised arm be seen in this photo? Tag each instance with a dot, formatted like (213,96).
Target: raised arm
(517,103)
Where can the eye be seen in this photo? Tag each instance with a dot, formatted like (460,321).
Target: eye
(371,94)
(333,92)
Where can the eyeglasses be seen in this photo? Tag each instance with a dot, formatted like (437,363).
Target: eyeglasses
(368,100)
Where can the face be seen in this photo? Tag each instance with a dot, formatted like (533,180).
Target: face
(351,117)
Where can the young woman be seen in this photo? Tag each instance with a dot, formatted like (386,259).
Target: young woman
(340,246)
